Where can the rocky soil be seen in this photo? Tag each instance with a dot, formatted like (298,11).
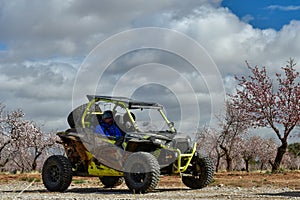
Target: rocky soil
(225,186)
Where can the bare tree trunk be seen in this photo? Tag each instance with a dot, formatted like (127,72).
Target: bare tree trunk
(280,152)
(218,162)
(229,163)
(227,158)
(247,164)
(262,166)
(4,145)
(1,149)
(34,164)
(4,162)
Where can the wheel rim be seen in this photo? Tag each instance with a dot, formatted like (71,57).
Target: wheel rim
(54,173)
(197,172)
(138,174)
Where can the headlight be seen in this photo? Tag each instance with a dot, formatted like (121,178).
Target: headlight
(190,143)
(159,141)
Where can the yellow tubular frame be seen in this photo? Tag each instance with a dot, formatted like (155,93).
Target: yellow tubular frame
(93,169)
(103,170)
(188,156)
(166,119)
(131,119)
(100,170)
(93,101)
(86,111)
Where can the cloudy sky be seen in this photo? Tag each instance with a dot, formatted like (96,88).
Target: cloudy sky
(45,45)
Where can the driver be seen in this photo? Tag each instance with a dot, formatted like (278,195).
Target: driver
(108,126)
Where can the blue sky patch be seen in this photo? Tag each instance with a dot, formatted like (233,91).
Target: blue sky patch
(3,47)
(265,14)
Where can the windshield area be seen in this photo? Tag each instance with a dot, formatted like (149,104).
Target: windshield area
(150,120)
(145,119)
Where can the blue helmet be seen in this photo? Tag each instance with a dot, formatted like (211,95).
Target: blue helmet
(107,114)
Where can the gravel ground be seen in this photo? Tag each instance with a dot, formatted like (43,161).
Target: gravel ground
(27,190)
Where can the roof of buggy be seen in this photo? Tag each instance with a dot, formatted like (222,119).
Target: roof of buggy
(130,103)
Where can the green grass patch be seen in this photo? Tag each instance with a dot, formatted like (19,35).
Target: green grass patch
(79,181)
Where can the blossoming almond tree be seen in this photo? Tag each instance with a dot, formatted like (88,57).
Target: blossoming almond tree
(22,142)
(268,105)
(208,141)
(29,145)
(257,149)
(7,137)
(232,127)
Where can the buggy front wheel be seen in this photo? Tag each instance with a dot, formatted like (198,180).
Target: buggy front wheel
(57,173)
(202,172)
(141,172)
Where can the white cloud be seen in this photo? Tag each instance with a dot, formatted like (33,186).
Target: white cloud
(72,28)
(43,91)
(283,8)
(45,39)
(247,18)
(230,41)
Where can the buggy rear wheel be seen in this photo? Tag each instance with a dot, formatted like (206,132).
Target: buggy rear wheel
(203,172)
(141,172)
(57,173)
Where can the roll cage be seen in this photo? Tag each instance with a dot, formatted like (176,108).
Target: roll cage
(127,104)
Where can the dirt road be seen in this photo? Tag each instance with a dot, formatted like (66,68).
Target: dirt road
(225,186)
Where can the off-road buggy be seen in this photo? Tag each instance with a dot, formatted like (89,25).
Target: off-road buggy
(146,151)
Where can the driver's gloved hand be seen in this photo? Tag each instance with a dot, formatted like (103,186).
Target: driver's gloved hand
(119,141)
